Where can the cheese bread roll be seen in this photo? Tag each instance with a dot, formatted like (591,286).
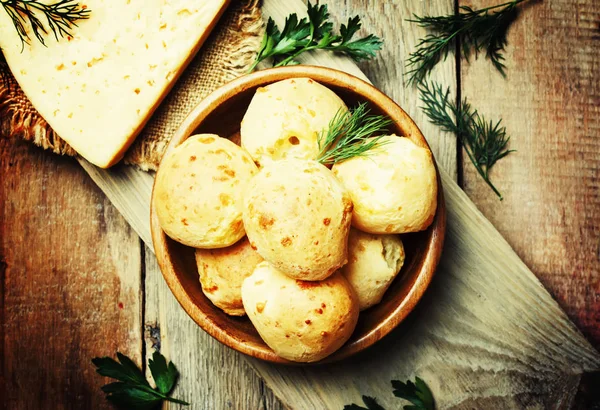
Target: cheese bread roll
(222,272)
(285,118)
(301,321)
(297,215)
(394,189)
(373,263)
(199,188)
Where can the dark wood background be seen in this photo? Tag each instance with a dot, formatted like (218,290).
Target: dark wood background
(76,282)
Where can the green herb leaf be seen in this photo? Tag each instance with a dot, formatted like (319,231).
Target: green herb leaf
(314,33)
(317,17)
(126,371)
(164,376)
(349,135)
(370,402)
(123,395)
(133,391)
(417,393)
(484,142)
(475,30)
(60,17)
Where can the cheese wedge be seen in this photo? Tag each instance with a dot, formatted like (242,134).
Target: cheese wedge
(98,88)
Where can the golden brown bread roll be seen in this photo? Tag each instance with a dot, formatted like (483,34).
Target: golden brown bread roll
(285,118)
(297,215)
(394,189)
(199,190)
(374,260)
(222,272)
(301,321)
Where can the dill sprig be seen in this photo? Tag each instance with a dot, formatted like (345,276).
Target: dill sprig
(474,30)
(315,32)
(348,135)
(484,142)
(60,17)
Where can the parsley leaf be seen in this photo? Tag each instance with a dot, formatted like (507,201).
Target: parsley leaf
(132,391)
(313,33)
(164,376)
(417,393)
(370,402)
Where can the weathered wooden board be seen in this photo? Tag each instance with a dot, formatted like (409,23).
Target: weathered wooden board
(70,273)
(550,103)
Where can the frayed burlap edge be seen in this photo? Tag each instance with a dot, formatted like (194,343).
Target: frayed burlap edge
(18,119)
(241,55)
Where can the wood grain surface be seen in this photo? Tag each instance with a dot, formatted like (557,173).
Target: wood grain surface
(550,104)
(482,338)
(70,273)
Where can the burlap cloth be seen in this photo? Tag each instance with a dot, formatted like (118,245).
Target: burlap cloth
(227,54)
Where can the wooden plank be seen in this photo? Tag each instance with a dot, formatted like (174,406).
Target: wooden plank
(550,103)
(212,375)
(70,282)
(486,335)
(129,189)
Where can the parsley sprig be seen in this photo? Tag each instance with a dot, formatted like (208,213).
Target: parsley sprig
(475,30)
(348,135)
(132,391)
(417,393)
(59,17)
(312,33)
(484,142)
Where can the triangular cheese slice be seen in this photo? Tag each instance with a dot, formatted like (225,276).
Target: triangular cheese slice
(98,88)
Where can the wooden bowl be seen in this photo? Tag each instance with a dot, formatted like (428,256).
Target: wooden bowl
(221,113)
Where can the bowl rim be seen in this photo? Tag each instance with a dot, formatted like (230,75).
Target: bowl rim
(326,76)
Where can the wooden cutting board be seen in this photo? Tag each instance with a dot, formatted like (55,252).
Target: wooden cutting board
(486,334)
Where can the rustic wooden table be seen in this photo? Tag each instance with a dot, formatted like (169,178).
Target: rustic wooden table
(76,282)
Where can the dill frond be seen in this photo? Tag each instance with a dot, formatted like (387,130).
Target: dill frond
(60,17)
(475,30)
(348,135)
(485,142)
